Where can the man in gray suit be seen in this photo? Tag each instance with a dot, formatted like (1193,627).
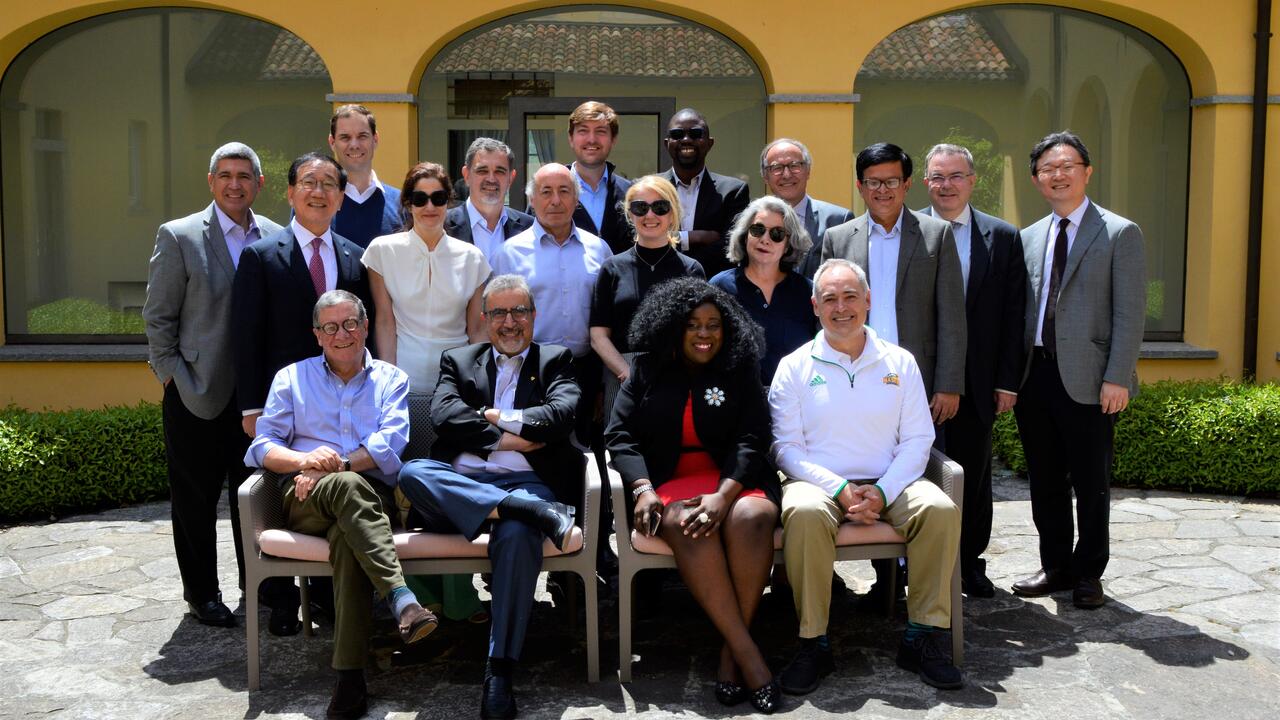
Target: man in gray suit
(188,319)
(917,299)
(785,165)
(1084,323)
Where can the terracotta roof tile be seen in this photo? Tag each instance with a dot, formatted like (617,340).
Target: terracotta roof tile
(947,47)
(246,48)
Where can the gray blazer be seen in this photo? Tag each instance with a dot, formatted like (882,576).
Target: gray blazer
(188,310)
(821,217)
(929,299)
(1101,302)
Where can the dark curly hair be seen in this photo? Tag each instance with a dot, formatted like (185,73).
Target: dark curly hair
(659,323)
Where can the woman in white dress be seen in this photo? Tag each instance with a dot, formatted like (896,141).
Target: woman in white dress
(426,285)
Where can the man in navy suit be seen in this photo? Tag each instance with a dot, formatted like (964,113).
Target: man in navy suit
(995,280)
(785,165)
(593,128)
(484,220)
(369,208)
(709,202)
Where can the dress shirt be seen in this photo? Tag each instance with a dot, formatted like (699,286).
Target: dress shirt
(593,198)
(882,256)
(235,236)
(362,197)
(328,255)
(489,241)
(1075,216)
(818,440)
(803,208)
(961,228)
(561,277)
(510,420)
(688,195)
(310,407)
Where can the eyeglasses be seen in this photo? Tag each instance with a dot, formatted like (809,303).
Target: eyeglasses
(776,234)
(695,133)
(310,185)
(331,328)
(519,313)
(877,183)
(439,198)
(779,168)
(1049,171)
(953,178)
(640,208)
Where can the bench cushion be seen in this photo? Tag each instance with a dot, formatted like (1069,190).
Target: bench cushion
(848,534)
(409,545)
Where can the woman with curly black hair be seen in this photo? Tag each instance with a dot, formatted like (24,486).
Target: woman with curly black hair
(690,435)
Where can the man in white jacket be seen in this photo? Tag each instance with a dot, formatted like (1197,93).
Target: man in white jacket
(852,433)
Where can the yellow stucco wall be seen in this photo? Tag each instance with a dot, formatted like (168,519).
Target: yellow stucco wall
(397,42)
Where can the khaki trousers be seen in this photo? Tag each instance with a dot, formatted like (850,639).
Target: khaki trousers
(922,514)
(344,509)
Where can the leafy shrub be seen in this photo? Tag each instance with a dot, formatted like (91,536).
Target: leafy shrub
(1210,435)
(81,316)
(58,462)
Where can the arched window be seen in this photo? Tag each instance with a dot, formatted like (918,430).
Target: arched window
(547,61)
(106,128)
(997,79)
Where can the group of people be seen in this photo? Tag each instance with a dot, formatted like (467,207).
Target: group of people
(728,353)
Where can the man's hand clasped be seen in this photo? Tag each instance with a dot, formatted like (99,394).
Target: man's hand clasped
(862,503)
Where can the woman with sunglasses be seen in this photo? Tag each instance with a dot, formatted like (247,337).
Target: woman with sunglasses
(767,242)
(652,208)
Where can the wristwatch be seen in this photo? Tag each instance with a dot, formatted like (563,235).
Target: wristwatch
(346,464)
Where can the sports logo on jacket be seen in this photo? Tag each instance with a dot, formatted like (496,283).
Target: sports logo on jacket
(891,379)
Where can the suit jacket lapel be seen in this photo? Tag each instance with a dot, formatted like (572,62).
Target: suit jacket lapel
(348,263)
(907,247)
(1091,226)
(528,380)
(216,242)
(979,256)
(463,229)
(291,250)
(858,250)
(811,222)
(1033,243)
(486,374)
(708,201)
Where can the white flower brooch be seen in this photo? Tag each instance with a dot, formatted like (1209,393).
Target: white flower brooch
(714,396)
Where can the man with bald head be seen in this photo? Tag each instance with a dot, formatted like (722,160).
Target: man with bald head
(709,202)
(560,262)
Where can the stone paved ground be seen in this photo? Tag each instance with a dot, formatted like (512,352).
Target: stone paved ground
(92,625)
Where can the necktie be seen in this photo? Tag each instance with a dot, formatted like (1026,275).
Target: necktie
(1048,333)
(317,267)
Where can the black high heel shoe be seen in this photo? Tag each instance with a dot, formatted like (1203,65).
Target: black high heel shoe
(767,699)
(730,693)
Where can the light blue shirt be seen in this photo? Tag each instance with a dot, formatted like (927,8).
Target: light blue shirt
(882,256)
(236,237)
(487,240)
(960,228)
(310,407)
(561,278)
(593,200)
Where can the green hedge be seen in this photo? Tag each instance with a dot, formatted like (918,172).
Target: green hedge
(78,316)
(54,463)
(1208,435)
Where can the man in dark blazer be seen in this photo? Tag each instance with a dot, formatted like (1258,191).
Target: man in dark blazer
(593,128)
(484,220)
(785,165)
(1084,322)
(709,202)
(504,413)
(995,280)
(190,336)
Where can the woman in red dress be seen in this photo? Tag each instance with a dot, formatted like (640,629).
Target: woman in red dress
(689,435)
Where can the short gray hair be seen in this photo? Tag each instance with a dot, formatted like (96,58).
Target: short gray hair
(948,149)
(235,151)
(502,283)
(488,144)
(840,262)
(529,186)
(804,152)
(337,297)
(798,240)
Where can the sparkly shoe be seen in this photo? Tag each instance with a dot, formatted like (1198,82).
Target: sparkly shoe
(768,699)
(730,693)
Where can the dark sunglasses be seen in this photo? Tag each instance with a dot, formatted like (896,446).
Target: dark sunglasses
(439,198)
(640,208)
(696,133)
(776,234)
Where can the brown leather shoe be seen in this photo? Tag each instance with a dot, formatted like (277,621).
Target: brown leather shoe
(1088,594)
(416,622)
(1042,583)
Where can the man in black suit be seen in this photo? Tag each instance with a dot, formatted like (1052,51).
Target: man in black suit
(504,413)
(593,128)
(995,280)
(484,220)
(709,203)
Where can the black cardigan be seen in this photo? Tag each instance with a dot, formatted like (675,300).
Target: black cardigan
(644,434)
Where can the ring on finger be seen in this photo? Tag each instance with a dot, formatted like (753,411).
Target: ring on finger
(704,518)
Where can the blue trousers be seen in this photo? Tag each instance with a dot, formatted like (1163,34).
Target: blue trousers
(452,502)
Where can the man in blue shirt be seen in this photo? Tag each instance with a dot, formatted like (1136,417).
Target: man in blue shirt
(333,423)
(593,129)
(369,208)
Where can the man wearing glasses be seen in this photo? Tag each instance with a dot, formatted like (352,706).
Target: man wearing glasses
(917,299)
(503,463)
(785,165)
(709,202)
(995,280)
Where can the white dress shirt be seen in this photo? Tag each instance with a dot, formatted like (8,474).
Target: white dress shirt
(882,257)
(688,195)
(328,255)
(510,420)
(362,196)
(1075,216)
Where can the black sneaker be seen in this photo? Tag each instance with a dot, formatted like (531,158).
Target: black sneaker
(929,654)
(807,668)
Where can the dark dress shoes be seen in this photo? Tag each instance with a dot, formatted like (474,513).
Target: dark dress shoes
(977,585)
(806,670)
(1043,583)
(212,612)
(929,655)
(1088,594)
(350,699)
(498,702)
(556,522)
(284,622)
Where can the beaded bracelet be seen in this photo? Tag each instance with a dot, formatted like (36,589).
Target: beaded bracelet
(637,492)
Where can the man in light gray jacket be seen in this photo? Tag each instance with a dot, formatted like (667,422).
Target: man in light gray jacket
(188,320)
